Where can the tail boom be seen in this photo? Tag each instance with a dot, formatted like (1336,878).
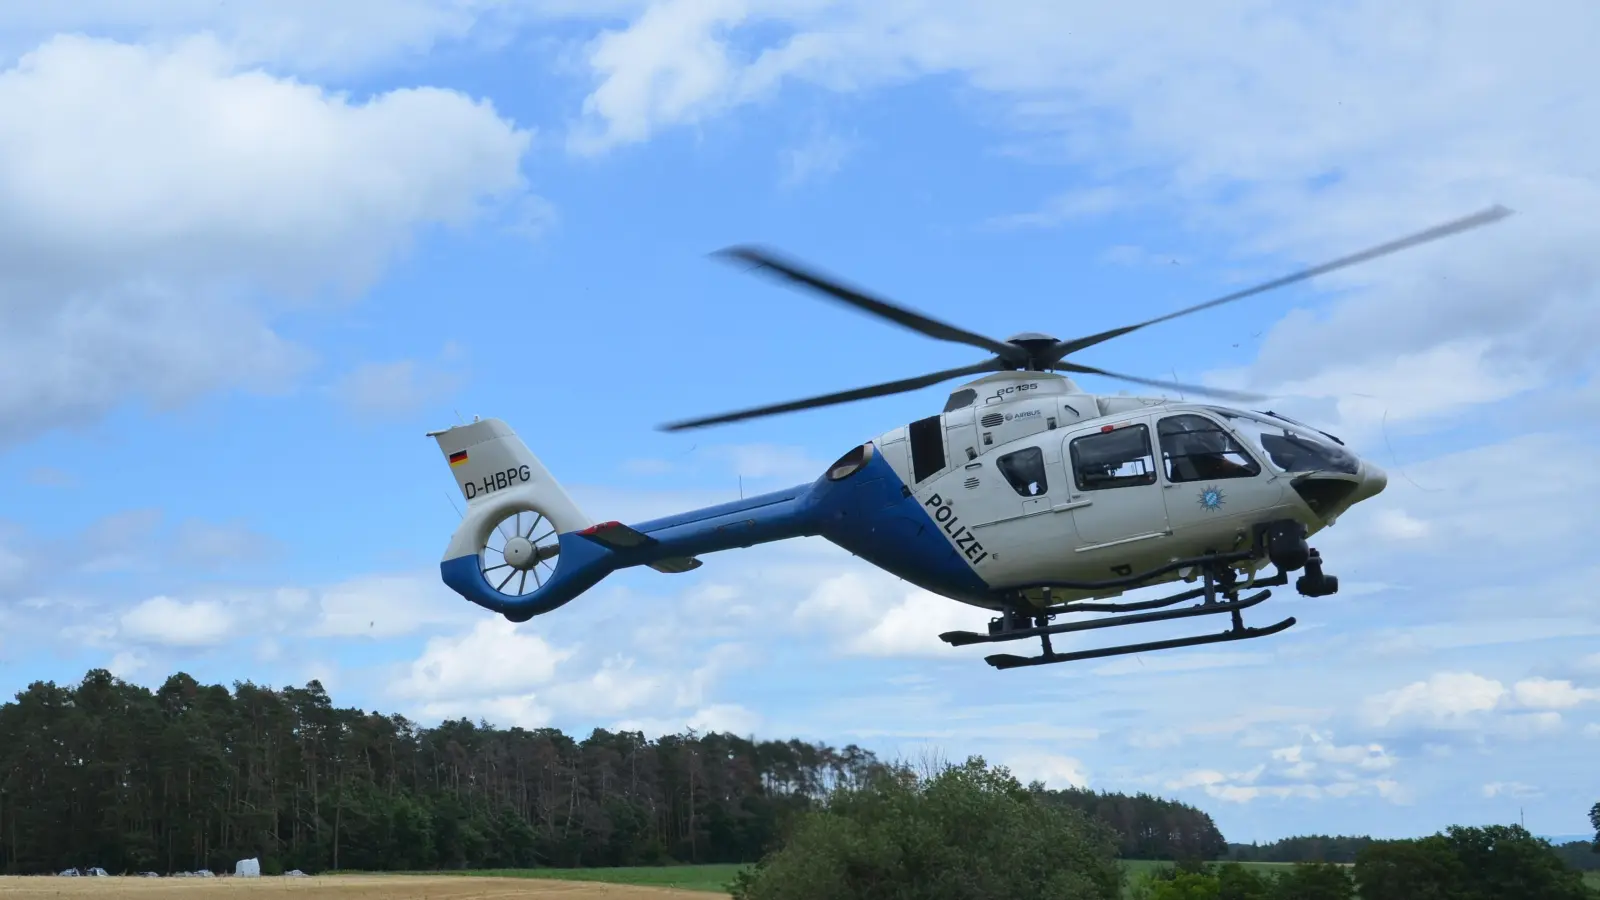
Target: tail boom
(589,555)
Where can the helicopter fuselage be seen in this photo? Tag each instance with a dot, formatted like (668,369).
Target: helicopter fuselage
(1022,488)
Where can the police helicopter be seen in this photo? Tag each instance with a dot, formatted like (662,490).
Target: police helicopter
(1025,495)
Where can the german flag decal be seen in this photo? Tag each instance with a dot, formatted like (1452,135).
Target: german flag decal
(458,458)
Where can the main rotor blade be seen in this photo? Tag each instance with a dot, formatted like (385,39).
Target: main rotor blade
(877,390)
(796,273)
(1485,217)
(1219,393)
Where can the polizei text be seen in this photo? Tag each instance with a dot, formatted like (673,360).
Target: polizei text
(966,541)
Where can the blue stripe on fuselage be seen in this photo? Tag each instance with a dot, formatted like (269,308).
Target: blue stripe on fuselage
(874,516)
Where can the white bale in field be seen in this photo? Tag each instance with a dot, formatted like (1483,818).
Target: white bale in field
(247,868)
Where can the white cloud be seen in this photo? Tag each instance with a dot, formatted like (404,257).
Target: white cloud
(875,614)
(174,623)
(817,158)
(143,271)
(495,660)
(394,388)
(1337,129)
(1463,699)
(1445,697)
(1054,770)
(1542,693)
(762,461)
(306,35)
(204,543)
(721,717)
(1430,384)
(1070,207)
(127,664)
(1510,789)
(1397,524)
(386,606)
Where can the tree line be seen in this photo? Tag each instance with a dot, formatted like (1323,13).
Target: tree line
(1346,849)
(190,776)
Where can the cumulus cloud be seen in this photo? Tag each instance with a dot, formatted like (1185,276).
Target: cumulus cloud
(390,389)
(303,35)
(174,623)
(817,158)
(875,614)
(495,660)
(160,204)
(1461,699)
(1055,770)
(1510,789)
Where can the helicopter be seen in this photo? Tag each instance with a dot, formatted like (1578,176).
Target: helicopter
(1025,495)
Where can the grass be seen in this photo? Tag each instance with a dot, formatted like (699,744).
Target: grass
(714,879)
(1136,867)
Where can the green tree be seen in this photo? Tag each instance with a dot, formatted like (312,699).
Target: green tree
(1235,882)
(1187,886)
(968,832)
(105,773)
(1425,869)
(1594,819)
(1315,881)
(1505,862)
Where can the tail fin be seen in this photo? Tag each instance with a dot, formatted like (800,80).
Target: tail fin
(490,462)
(509,493)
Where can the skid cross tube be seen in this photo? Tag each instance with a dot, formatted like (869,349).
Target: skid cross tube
(963,638)
(1012,661)
(1219,594)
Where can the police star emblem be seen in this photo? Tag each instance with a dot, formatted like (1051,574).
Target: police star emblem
(1211,498)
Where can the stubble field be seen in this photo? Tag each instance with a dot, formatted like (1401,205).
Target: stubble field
(337,887)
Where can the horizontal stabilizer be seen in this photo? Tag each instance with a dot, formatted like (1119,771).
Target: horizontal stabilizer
(676,565)
(617,536)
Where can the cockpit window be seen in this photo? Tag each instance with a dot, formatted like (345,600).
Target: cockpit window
(961,399)
(1194,448)
(1290,448)
(1025,470)
(1278,415)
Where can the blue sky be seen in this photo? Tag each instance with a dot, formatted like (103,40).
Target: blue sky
(254,250)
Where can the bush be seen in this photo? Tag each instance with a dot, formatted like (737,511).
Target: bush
(1315,881)
(968,833)
(1235,882)
(1496,862)
(1231,881)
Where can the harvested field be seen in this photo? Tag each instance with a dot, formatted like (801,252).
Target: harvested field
(336,887)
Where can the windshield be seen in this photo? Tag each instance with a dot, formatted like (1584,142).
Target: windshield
(1289,448)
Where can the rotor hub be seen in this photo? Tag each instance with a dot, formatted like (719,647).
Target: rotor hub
(1036,344)
(520,553)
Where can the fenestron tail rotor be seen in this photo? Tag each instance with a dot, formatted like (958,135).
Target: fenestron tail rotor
(527,542)
(1029,351)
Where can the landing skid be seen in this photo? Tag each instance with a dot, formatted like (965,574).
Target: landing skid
(1284,545)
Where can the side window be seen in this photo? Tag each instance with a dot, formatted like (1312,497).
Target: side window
(1194,448)
(1113,459)
(1025,470)
(927,448)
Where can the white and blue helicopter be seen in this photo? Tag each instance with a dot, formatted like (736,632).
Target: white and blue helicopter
(1025,495)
